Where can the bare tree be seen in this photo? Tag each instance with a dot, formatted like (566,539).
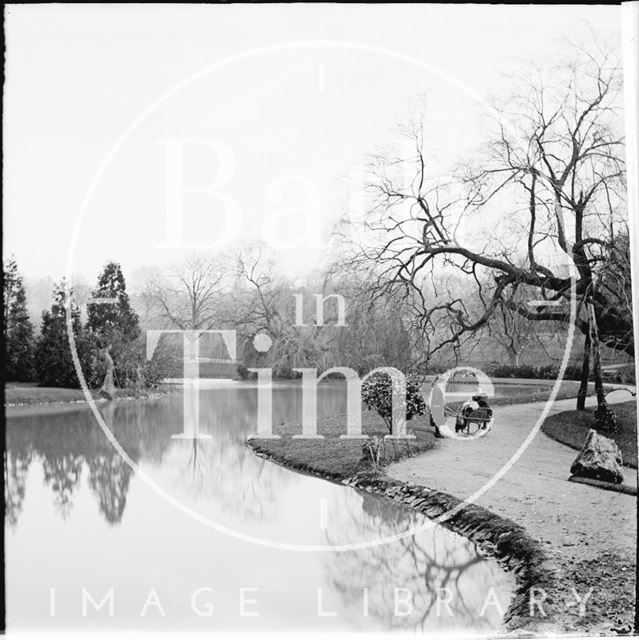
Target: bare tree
(186,296)
(554,170)
(263,302)
(517,335)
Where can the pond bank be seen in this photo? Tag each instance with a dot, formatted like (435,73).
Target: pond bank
(554,535)
(497,537)
(34,396)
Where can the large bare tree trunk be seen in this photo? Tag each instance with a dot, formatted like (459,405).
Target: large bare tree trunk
(585,372)
(605,418)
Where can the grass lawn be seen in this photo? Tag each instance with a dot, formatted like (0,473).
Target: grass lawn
(18,393)
(337,457)
(571,427)
(568,389)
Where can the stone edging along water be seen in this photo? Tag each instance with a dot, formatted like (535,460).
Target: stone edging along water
(500,538)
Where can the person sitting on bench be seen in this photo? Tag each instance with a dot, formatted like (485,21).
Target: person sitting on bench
(482,401)
(479,400)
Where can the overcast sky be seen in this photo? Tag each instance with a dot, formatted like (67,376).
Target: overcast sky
(277,129)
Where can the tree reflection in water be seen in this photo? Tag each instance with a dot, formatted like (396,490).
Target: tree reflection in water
(66,443)
(62,473)
(16,467)
(221,471)
(224,475)
(425,564)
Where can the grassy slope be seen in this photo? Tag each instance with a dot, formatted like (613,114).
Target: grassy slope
(571,427)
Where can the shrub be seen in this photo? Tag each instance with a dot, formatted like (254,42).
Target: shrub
(515,371)
(163,362)
(377,394)
(544,372)
(133,371)
(573,372)
(436,368)
(628,375)
(548,372)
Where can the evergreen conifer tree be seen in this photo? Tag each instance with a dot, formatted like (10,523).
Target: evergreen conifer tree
(18,330)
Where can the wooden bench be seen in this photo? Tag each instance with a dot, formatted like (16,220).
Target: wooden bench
(480,417)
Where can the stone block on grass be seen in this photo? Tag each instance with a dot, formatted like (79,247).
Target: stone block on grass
(599,458)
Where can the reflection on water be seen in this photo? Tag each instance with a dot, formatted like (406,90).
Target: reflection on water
(78,517)
(444,573)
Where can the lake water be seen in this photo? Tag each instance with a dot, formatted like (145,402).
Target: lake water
(81,525)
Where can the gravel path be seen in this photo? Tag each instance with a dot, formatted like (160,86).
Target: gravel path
(590,533)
